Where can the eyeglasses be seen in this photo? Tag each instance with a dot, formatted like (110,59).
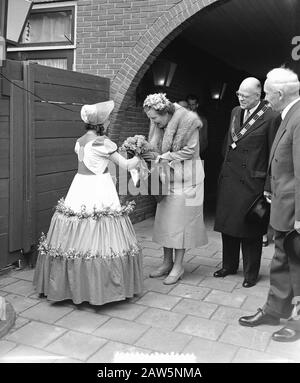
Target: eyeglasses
(243,96)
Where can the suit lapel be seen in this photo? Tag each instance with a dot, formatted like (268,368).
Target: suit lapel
(236,123)
(281,130)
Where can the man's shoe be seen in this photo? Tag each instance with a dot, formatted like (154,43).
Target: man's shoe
(162,270)
(248,284)
(259,318)
(286,335)
(223,272)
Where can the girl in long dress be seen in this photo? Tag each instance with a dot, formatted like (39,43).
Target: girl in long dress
(91,252)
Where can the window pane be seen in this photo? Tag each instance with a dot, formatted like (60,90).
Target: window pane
(55,63)
(48,27)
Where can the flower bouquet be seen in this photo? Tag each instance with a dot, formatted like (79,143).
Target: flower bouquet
(149,175)
(136,146)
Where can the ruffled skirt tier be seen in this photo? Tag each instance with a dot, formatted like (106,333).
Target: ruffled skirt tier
(93,258)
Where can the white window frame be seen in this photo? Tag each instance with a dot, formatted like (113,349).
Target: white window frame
(51,47)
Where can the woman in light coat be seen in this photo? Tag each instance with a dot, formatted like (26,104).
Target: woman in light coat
(174,134)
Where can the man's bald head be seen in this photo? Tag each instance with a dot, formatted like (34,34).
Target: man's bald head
(251,84)
(249,93)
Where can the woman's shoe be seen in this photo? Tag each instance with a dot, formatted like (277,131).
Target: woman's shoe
(172,279)
(160,271)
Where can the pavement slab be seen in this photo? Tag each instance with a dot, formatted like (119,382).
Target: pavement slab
(209,351)
(245,337)
(121,330)
(202,327)
(36,334)
(108,352)
(162,340)
(76,345)
(163,319)
(158,300)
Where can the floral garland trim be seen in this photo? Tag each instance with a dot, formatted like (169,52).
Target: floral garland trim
(95,214)
(44,249)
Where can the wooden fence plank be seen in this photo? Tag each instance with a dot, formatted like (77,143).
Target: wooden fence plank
(4,168)
(54,147)
(51,112)
(29,155)
(4,250)
(4,221)
(3,224)
(43,220)
(4,206)
(46,165)
(6,257)
(70,94)
(17,161)
(54,181)
(49,199)
(4,148)
(47,75)
(4,106)
(48,129)
(4,126)
(4,188)
(13,71)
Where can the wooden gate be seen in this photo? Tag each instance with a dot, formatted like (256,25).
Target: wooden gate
(39,124)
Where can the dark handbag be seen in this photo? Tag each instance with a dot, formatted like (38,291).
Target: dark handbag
(259,211)
(154,185)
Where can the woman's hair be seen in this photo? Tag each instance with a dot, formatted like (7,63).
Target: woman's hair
(99,129)
(160,103)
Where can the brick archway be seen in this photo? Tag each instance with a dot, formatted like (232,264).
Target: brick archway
(148,47)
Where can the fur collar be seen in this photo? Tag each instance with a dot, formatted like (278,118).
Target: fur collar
(175,136)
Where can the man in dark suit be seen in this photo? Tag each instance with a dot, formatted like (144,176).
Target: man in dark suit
(243,178)
(193,104)
(282,92)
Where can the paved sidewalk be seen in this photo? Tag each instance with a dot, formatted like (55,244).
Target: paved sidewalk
(196,318)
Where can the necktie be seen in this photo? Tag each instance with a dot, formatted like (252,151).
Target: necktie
(246,115)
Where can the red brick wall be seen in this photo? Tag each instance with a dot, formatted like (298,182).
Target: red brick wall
(108,30)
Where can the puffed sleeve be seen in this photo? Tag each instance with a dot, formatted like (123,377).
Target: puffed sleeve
(76,148)
(110,146)
(104,146)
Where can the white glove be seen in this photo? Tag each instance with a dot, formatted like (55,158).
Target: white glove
(133,163)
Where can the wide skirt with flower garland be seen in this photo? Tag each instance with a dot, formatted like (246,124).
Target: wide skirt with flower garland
(91,252)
